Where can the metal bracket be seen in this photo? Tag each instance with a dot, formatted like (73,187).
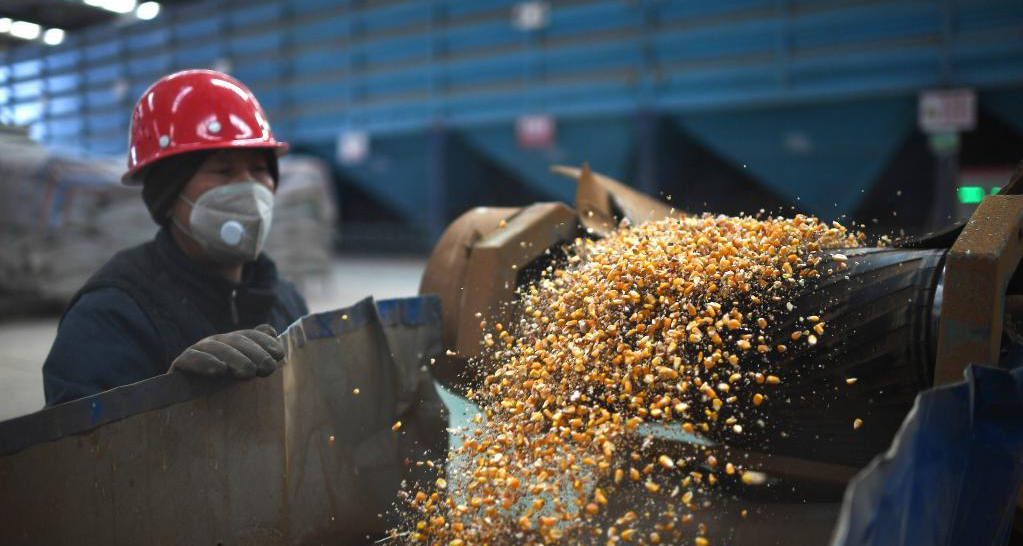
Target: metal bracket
(978,269)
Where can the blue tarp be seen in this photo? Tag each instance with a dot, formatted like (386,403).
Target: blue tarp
(953,473)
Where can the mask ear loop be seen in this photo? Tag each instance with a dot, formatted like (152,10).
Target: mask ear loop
(186,231)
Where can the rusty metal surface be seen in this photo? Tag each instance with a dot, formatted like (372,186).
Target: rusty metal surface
(445,272)
(603,202)
(85,414)
(198,472)
(475,267)
(294,458)
(978,269)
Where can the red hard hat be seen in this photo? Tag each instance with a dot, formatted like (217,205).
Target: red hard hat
(195,110)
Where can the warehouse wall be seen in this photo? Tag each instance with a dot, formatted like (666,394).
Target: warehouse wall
(808,99)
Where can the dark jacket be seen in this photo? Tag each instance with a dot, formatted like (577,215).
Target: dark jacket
(147,305)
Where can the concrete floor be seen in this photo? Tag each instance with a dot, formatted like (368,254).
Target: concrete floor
(25,343)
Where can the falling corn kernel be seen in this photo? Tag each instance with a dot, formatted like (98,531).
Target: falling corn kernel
(344,317)
(851,381)
(355,390)
(441,483)
(330,441)
(857,424)
(753,478)
(396,426)
(700,541)
(662,322)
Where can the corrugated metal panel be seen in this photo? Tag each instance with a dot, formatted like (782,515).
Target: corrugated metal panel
(401,65)
(822,156)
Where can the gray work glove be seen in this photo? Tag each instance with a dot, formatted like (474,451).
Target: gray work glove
(243,354)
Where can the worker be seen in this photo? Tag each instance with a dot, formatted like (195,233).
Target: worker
(200,297)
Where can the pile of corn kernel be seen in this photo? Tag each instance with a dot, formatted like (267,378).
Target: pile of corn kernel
(663,323)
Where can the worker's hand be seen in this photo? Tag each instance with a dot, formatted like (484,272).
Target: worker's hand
(243,353)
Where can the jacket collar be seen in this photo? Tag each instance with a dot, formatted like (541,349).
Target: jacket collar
(227,305)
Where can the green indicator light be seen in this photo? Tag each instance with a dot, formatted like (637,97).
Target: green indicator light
(971,194)
(995,190)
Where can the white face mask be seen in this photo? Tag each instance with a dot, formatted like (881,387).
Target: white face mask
(231,222)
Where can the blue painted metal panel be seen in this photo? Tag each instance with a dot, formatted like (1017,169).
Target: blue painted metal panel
(402,65)
(494,69)
(28,89)
(319,30)
(589,58)
(488,34)
(840,150)
(23,114)
(149,39)
(457,9)
(102,51)
(987,15)
(394,174)
(150,66)
(101,98)
(199,56)
(685,11)
(318,62)
(604,143)
(103,123)
(394,82)
(411,12)
(593,17)
(866,24)
(244,16)
(735,40)
(251,72)
(64,105)
(63,61)
(321,91)
(29,51)
(251,44)
(103,74)
(27,69)
(201,28)
(303,7)
(393,49)
(64,83)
